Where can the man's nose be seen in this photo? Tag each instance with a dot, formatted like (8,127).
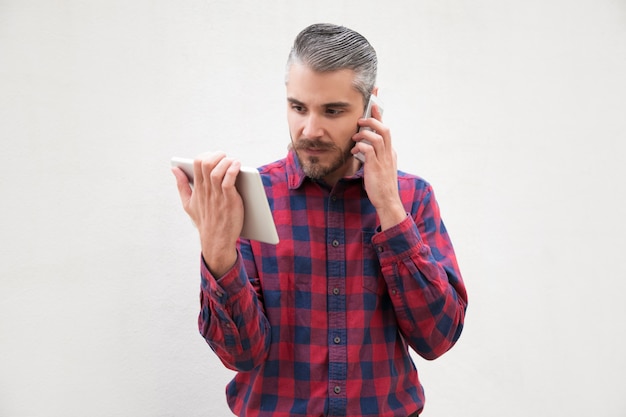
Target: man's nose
(313,126)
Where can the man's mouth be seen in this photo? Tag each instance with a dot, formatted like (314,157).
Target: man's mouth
(314,150)
(313,147)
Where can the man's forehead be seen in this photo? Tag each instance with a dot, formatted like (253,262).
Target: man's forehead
(331,88)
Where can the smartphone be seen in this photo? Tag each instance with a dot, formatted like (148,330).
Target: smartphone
(366,115)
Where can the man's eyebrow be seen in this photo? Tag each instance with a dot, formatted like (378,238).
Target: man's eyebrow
(338,104)
(294,101)
(335,104)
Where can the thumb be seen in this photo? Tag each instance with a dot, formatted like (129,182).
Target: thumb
(182,183)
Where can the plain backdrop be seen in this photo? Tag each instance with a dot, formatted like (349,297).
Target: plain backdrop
(515,111)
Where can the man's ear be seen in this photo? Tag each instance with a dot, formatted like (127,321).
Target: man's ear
(375,91)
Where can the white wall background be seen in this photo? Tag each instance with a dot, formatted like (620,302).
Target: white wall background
(514,110)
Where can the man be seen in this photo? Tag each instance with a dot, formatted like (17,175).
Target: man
(320,324)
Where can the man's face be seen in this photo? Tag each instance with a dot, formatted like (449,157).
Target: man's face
(322,112)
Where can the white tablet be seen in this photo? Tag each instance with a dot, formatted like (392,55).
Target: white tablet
(258,223)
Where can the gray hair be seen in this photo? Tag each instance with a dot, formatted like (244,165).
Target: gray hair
(325,47)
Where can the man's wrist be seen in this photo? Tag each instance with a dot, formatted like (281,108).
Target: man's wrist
(390,217)
(219,264)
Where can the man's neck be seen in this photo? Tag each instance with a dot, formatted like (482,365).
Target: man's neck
(347,170)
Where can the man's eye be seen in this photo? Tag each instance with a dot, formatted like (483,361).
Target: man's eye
(334,112)
(297,108)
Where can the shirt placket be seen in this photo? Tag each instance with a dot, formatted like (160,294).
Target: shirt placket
(337,333)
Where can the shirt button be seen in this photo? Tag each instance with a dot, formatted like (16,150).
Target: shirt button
(380,249)
(337,389)
(218,294)
(335,243)
(336,291)
(337,340)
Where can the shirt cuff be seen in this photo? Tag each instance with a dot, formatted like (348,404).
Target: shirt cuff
(399,242)
(229,285)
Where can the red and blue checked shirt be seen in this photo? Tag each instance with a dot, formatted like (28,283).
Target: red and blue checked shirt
(320,324)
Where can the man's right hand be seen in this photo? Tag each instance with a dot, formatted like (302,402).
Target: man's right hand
(215,207)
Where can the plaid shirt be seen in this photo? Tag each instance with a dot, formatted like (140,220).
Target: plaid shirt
(320,324)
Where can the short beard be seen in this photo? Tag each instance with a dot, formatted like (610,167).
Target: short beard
(311,166)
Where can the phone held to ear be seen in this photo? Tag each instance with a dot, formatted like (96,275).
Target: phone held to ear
(366,115)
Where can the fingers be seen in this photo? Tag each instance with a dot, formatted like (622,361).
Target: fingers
(230,176)
(376,113)
(217,173)
(213,194)
(204,164)
(375,140)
